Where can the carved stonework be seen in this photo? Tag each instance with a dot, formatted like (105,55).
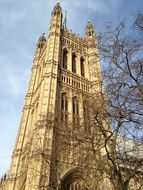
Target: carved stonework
(61,79)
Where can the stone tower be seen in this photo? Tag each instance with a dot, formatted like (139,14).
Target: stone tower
(64,76)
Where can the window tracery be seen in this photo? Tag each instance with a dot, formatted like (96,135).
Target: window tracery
(73,181)
(86,116)
(64,108)
(75,109)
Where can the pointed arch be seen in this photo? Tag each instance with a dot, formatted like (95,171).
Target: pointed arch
(73,180)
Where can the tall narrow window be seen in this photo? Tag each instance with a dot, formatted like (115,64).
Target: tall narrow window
(64,109)
(75,109)
(74,63)
(82,67)
(86,117)
(65,59)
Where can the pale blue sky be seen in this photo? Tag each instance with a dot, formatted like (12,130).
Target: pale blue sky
(21,23)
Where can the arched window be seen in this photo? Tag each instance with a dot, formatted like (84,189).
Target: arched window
(73,180)
(65,59)
(86,116)
(82,67)
(75,109)
(64,108)
(74,63)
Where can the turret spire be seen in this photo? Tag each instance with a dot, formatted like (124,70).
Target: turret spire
(65,20)
(89,29)
(57,9)
(42,40)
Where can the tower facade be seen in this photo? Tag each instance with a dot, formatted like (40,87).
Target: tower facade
(65,76)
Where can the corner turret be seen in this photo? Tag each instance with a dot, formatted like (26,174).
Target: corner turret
(90,34)
(56,21)
(57,9)
(40,46)
(42,41)
(89,30)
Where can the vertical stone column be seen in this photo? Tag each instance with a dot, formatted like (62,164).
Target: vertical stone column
(47,97)
(94,67)
(14,177)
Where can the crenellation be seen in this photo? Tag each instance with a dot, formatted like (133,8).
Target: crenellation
(73,37)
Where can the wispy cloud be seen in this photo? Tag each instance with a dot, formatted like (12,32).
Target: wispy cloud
(97,5)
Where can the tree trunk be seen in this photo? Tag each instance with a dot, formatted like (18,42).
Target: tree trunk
(119,185)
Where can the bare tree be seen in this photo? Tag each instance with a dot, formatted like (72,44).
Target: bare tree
(109,148)
(113,147)
(139,21)
(107,144)
(123,80)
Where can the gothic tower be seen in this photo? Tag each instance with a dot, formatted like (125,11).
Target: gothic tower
(64,76)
